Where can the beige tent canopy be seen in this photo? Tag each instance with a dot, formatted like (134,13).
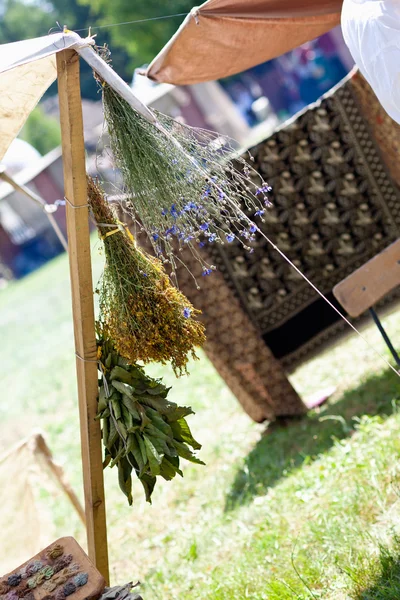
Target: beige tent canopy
(224,37)
(28,68)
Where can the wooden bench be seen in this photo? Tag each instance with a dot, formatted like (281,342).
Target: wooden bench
(361,290)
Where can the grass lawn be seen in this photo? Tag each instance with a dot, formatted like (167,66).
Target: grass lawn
(308,511)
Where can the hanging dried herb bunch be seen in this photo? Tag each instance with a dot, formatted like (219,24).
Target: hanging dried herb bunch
(183,187)
(144,433)
(143,314)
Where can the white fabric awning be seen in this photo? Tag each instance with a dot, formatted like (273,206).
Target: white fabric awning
(27,69)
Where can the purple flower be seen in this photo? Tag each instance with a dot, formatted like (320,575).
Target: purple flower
(259,213)
(164,212)
(253,228)
(262,190)
(155,236)
(174,212)
(212,237)
(190,206)
(174,161)
(267,203)
(187,312)
(230,237)
(204,226)
(172,230)
(206,272)
(221,194)
(202,244)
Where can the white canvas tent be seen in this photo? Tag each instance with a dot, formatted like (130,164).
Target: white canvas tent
(27,69)
(25,470)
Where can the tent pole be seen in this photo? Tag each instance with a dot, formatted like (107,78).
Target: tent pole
(75,187)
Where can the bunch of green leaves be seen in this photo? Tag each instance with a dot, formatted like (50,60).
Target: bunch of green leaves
(143,432)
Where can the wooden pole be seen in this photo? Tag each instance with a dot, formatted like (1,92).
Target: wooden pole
(75,187)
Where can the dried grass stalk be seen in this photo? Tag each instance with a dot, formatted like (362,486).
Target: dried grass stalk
(141,312)
(184,189)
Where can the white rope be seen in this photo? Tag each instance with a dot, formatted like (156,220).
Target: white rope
(162,18)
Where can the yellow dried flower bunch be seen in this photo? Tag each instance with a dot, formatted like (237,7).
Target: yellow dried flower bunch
(143,314)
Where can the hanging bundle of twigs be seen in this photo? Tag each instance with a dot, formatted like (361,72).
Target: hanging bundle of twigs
(181,185)
(141,312)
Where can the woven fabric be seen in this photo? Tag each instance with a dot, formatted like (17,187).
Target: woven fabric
(237,350)
(384,130)
(334,207)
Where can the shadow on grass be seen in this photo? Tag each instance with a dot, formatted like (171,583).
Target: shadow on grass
(284,449)
(380,578)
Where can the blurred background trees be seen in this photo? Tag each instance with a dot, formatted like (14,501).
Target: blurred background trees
(132,45)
